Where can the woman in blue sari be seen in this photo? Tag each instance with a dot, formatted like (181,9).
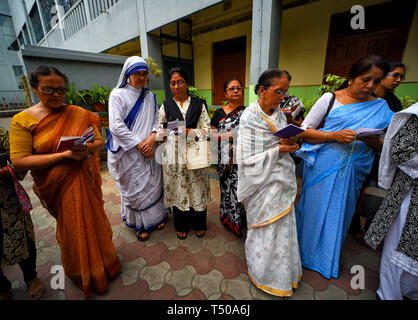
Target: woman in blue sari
(337,162)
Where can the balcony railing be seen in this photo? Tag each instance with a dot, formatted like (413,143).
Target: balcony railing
(77,17)
(97,7)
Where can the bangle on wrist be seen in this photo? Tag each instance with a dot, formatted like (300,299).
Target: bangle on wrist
(326,136)
(52,160)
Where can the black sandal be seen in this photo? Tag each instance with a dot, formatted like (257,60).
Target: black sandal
(200,235)
(145,238)
(161,226)
(181,237)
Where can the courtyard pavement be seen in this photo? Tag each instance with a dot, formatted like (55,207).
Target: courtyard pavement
(166,268)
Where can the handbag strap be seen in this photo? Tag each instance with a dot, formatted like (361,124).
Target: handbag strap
(12,173)
(331,103)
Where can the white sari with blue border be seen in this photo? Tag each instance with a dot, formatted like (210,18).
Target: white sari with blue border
(133,116)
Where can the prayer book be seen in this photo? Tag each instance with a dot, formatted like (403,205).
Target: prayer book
(289,131)
(365,132)
(3,160)
(66,143)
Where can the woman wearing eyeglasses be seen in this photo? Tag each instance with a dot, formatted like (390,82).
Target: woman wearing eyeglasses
(267,188)
(388,85)
(226,121)
(186,192)
(337,162)
(68,183)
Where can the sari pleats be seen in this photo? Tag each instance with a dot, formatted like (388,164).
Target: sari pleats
(71,191)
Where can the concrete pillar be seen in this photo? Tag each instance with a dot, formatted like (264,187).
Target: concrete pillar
(265,43)
(150,46)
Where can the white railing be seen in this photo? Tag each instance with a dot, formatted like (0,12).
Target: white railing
(97,7)
(75,19)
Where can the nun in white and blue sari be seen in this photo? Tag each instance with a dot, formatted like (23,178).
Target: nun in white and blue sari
(133,120)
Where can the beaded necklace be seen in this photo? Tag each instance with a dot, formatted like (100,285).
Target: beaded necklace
(349,159)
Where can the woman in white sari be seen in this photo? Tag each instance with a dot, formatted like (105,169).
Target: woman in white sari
(133,124)
(267,187)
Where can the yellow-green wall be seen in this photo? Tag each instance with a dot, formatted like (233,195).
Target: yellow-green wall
(304,39)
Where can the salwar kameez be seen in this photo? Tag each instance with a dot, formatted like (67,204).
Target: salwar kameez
(186,192)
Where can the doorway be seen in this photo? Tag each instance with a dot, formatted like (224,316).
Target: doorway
(229,59)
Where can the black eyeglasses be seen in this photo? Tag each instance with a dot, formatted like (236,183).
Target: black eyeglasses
(50,91)
(397,75)
(280,92)
(234,88)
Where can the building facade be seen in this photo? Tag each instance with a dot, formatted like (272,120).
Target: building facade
(216,39)
(11,94)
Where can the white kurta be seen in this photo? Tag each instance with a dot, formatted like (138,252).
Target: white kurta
(184,188)
(267,186)
(138,179)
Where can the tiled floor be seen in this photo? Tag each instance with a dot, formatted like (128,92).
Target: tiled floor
(168,268)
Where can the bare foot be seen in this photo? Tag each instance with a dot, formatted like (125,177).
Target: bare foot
(35,289)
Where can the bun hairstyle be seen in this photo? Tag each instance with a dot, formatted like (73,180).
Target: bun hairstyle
(226,84)
(44,71)
(267,77)
(288,75)
(364,65)
(181,72)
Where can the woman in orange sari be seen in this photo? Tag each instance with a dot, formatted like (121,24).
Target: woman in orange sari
(69,182)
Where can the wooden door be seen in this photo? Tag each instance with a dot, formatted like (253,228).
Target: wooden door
(228,61)
(343,52)
(385,34)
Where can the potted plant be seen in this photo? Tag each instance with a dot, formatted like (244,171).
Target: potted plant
(97,97)
(74,97)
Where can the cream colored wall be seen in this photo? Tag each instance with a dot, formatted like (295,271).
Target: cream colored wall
(304,39)
(202,51)
(410,57)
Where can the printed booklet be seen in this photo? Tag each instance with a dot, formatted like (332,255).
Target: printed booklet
(69,142)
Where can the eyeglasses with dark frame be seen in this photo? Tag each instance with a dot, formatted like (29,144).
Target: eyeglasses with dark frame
(280,92)
(180,83)
(397,75)
(234,88)
(50,91)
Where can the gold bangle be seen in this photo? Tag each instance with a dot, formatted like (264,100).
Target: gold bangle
(326,136)
(50,158)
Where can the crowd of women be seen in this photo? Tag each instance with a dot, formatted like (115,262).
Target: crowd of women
(256,175)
